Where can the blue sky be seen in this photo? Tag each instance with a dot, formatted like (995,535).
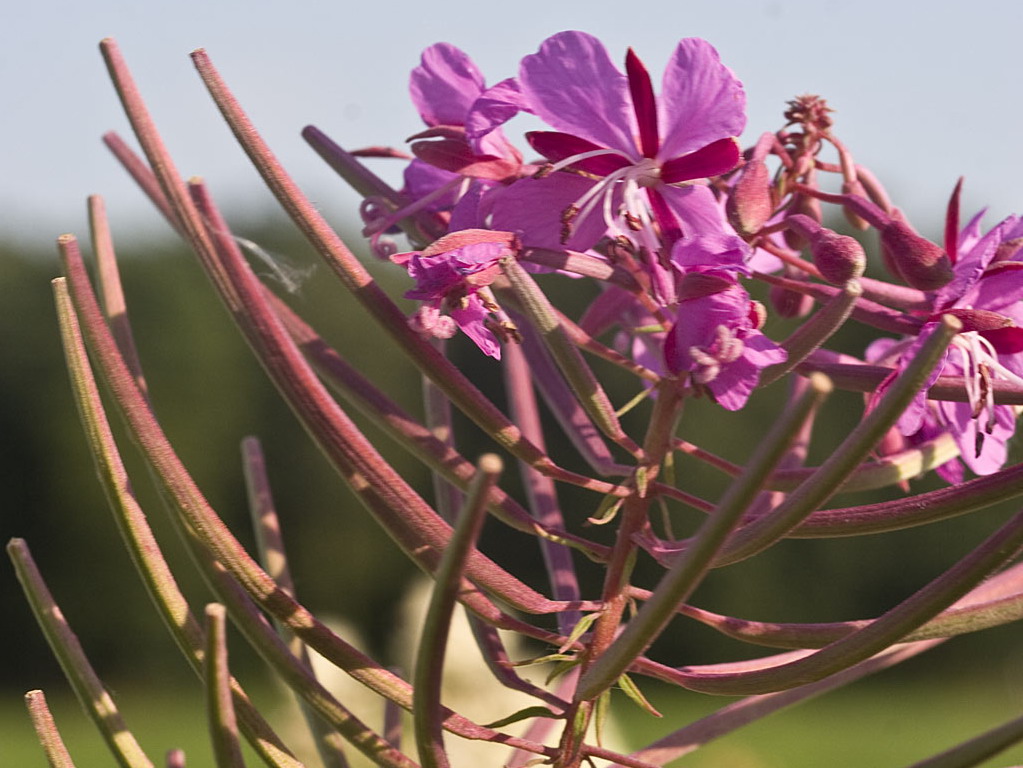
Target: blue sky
(924,91)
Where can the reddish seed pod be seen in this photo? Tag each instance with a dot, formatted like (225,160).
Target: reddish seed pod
(788,303)
(854,187)
(839,258)
(750,203)
(920,263)
(808,207)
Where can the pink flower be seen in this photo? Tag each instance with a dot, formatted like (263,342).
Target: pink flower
(985,294)
(716,338)
(622,158)
(449,91)
(452,280)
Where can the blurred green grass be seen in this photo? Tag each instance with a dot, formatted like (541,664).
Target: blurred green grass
(879,723)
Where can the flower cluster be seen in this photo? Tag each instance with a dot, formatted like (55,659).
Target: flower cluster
(625,171)
(656,183)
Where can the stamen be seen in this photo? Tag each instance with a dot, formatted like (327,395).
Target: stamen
(381,221)
(585,156)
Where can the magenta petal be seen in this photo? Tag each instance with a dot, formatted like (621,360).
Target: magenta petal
(696,209)
(714,159)
(736,382)
(494,107)
(445,85)
(422,179)
(1006,341)
(472,321)
(534,208)
(557,146)
(701,100)
(643,103)
(572,85)
(965,430)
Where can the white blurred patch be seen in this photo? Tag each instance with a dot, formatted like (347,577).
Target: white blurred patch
(469,689)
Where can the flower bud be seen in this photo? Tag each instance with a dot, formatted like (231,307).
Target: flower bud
(839,258)
(809,207)
(750,204)
(696,285)
(854,187)
(920,263)
(789,303)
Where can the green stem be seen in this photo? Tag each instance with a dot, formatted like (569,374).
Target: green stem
(427,713)
(94,698)
(694,562)
(820,486)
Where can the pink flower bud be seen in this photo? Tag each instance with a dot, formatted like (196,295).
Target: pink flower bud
(809,207)
(696,285)
(839,258)
(977,319)
(854,187)
(920,263)
(788,303)
(750,203)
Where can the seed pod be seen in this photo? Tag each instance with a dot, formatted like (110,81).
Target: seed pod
(920,263)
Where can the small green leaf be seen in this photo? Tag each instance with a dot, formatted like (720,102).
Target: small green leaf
(632,691)
(607,510)
(642,479)
(561,669)
(582,627)
(544,659)
(600,712)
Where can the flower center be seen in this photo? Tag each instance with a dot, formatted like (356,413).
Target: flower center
(626,182)
(647,172)
(725,348)
(980,365)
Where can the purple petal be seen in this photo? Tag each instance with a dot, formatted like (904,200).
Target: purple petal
(998,291)
(466,213)
(534,207)
(973,260)
(445,85)
(964,428)
(912,419)
(573,86)
(471,320)
(736,382)
(421,179)
(712,251)
(701,100)
(494,107)
(697,210)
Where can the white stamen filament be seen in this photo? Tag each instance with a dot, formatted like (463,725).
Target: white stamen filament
(977,353)
(586,156)
(633,177)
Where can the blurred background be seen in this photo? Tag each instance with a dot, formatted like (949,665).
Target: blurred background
(923,92)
